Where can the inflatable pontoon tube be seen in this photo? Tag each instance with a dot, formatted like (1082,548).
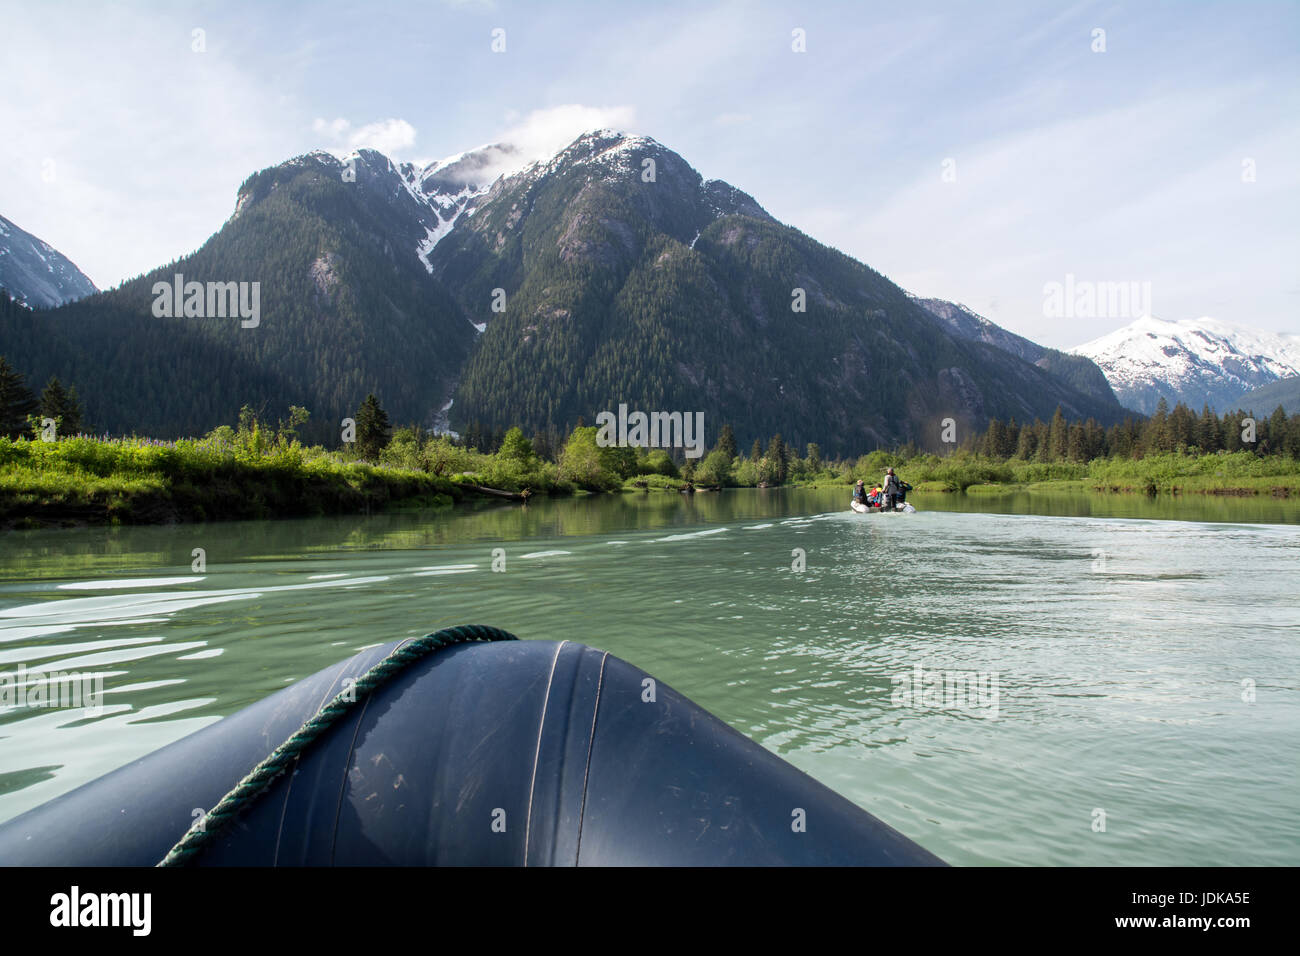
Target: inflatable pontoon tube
(508,753)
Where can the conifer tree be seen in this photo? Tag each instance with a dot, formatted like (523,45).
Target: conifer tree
(1155,436)
(727,443)
(16,401)
(779,459)
(1076,448)
(1209,435)
(994,439)
(61,404)
(1277,429)
(1012,438)
(373,429)
(1057,437)
(1027,445)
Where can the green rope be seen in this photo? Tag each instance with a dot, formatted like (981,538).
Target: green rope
(260,777)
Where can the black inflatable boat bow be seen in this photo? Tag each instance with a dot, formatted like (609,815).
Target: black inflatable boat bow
(279,760)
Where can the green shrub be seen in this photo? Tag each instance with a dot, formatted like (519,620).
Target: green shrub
(659,462)
(653,483)
(960,472)
(715,469)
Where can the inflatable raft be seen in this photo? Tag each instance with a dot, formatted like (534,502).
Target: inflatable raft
(862,509)
(468,749)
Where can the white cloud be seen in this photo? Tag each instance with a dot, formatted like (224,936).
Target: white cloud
(542,133)
(334,129)
(392,137)
(545,132)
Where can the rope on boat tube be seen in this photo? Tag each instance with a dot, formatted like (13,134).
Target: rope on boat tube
(260,778)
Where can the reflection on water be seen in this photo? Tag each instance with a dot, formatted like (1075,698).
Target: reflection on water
(1120,649)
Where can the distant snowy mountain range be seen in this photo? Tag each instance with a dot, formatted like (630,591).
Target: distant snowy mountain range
(1193,361)
(35,273)
(1196,361)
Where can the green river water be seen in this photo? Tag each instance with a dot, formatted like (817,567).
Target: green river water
(1135,656)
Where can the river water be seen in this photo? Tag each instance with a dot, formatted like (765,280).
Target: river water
(997,680)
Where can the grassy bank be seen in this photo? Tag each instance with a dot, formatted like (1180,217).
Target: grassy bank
(88,481)
(1236,473)
(252,471)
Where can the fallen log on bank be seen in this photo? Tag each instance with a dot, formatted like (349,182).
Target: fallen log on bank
(500,493)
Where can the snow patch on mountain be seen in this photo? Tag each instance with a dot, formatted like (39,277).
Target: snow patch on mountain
(446,210)
(452,187)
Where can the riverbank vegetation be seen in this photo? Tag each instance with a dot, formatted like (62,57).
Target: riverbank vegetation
(85,480)
(255,469)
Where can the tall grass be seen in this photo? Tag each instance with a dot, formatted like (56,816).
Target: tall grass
(1173,471)
(131,480)
(957,474)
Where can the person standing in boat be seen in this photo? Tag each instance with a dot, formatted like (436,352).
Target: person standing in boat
(892,489)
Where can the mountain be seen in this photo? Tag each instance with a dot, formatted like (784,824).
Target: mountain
(1263,400)
(672,292)
(480,289)
(1076,371)
(35,273)
(346,308)
(1194,361)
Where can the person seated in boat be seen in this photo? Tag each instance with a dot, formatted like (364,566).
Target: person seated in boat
(873,497)
(860,493)
(892,489)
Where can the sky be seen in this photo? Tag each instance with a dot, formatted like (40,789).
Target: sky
(975,152)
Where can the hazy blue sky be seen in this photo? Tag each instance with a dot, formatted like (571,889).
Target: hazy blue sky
(123,147)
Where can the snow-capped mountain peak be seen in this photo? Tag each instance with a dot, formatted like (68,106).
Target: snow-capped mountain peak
(612,149)
(1195,361)
(424,204)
